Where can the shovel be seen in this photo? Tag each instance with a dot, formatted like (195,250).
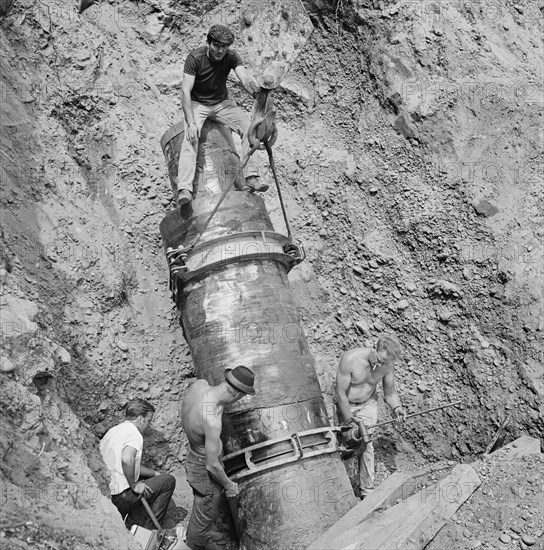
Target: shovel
(151,514)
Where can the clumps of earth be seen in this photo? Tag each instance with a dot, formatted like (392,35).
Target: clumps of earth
(415,222)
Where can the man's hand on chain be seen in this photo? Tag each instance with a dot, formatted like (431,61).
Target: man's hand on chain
(252,86)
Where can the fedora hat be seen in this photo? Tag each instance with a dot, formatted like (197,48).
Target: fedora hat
(241,379)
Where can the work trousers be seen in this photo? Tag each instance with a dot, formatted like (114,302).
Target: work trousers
(129,504)
(368,413)
(229,114)
(206,496)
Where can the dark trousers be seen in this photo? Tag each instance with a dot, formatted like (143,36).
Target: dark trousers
(206,493)
(128,501)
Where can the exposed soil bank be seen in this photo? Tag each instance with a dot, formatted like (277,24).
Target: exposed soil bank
(410,153)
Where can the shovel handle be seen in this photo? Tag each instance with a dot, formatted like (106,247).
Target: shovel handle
(151,514)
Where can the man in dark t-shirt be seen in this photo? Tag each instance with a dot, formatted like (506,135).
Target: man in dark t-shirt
(204,94)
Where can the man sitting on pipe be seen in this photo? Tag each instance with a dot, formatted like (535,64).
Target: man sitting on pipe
(204,95)
(201,413)
(121,449)
(359,372)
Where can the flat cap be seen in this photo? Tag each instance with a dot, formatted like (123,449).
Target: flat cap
(221,34)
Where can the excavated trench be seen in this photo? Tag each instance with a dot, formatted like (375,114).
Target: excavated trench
(415,221)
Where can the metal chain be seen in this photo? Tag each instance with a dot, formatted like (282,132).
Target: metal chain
(273,168)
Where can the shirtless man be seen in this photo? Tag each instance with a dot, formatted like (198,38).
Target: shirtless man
(359,372)
(201,413)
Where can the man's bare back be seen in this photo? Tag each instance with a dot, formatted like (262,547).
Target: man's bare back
(198,405)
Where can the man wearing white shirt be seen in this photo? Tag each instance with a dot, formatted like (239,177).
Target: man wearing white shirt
(121,449)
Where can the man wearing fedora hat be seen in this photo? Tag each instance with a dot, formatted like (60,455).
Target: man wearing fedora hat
(204,95)
(201,414)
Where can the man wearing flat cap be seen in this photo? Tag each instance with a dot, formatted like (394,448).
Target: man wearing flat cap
(204,95)
(201,414)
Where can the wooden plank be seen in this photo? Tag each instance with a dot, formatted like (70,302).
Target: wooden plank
(411,524)
(522,446)
(396,486)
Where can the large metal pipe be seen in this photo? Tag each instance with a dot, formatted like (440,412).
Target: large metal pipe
(237,308)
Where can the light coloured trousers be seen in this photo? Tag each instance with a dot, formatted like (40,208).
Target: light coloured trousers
(368,413)
(232,116)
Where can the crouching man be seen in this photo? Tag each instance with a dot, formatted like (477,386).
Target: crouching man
(201,413)
(121,449)
(204,95)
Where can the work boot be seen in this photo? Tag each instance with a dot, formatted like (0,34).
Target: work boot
(254,183)
(184,197)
